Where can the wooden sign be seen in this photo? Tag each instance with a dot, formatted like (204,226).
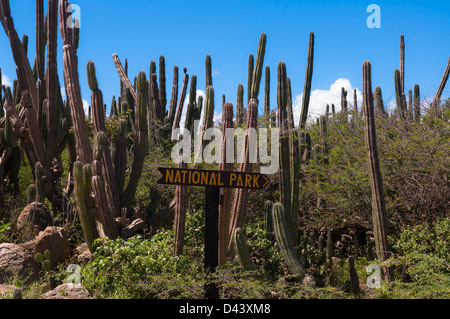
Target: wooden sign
(225,179)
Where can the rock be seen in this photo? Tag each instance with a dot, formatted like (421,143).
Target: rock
(68,291)
(53,239)
(35,215)
(15,260)
(83,254)
(10,292)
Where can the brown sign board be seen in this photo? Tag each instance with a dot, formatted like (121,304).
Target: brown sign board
(225,179)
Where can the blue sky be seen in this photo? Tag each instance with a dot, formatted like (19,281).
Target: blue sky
(186,31)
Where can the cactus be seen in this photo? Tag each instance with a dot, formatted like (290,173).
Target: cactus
(378,100)
(285,161)
(141,133)
(268,221)
(82,191)
(240,106)
(208,122)
(267,114)
(378,203)
(402,64)
(208,72)
(162,85)
(31,193)
(440,90)
(39,183)
(354,280)
(100,127)
(283,237)
(241,248)
(399,96)
(344,105)
(239,210)
(308,80)
(225,203)
(100,189)
(251,66)
(257,71)
(417,103)
(329,249)
(120,156)
(174,97)
(179,111)
(44,260)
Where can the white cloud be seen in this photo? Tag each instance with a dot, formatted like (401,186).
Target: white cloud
(320,98)
(63,93)
(6,81)
(86,107)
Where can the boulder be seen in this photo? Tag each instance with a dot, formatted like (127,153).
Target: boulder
(83,254)
(10,292)
(34,216)
(17,261)
(53,239)
(68,291)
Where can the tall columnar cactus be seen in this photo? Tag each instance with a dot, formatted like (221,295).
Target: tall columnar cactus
(283,237)
(344,105)
(98,117)
(100,189)
(225,206)
(241,248)
(140,136)
(162,85)
(258,68)
(120,156)
(399,96)
(417,103)
(308,80)
(182,195)
(174,97)
(208,120)
(378,203)
(39,183)
(267,96)
(192,105)
(329,249)
(378,100)
(354,280)
(82,179)
(440,90)
(208,72)
(239,209)
(268,221)
(285,161)
(402,63)
(179,111)
(240,105)
(71,77)
(251,67)
(410,111)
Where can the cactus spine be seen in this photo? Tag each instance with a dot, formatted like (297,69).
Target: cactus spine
(378,203)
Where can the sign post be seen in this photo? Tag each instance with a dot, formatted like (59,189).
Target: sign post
(213,181)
